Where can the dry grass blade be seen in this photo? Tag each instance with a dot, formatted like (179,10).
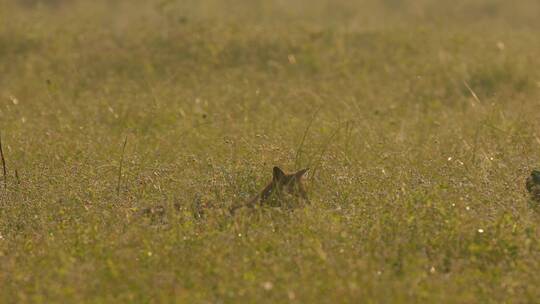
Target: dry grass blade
(473,94)
(120,167)
(315,166)
(304,136)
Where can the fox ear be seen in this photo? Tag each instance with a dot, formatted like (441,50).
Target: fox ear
(301,173)
(278,174)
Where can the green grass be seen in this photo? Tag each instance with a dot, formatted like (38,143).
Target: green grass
(420,122)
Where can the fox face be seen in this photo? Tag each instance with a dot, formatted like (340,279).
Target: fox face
(284,190)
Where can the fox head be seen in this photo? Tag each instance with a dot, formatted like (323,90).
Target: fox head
(285,187)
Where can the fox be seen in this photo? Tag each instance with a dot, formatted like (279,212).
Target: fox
(285,190)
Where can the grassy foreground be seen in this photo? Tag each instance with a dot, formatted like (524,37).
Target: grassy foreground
(419,120)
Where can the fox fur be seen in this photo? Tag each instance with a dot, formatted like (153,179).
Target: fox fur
(285,190)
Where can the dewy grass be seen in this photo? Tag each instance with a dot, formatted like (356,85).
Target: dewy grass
(420,124)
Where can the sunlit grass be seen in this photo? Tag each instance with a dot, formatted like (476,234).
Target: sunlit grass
(419,123)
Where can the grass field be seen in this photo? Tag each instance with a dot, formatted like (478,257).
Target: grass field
(420,121)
